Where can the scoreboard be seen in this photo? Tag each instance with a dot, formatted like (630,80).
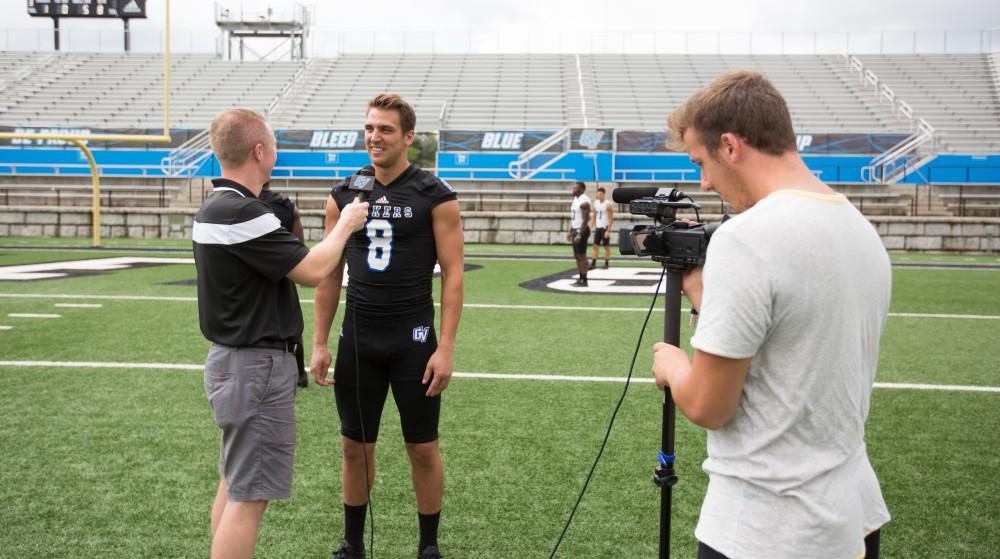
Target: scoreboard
(124,9)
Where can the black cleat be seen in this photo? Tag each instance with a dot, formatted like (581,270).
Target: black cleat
(605,264)
(430,552)
(345,551)
(580,283)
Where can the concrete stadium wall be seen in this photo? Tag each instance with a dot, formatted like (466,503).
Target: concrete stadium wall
(966,234)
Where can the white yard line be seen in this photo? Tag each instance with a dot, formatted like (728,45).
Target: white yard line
(78,305)
(931,315)
(499,376)
(32,315)
(467,305)
(97,297)
(944,387)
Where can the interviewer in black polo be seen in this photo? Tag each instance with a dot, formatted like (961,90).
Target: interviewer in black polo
(249,309)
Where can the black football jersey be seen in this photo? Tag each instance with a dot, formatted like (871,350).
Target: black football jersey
(390,261)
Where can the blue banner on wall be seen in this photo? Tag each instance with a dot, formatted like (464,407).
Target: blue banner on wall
(635,141)
(580,139)
(319,140)
(491,140)
(177,137)
(343,140)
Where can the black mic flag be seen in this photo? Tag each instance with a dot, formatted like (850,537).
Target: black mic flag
(362,182)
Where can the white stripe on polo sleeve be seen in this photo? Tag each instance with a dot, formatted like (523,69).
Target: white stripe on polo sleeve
(231,234)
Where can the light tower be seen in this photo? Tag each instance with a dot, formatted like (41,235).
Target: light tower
(275,25)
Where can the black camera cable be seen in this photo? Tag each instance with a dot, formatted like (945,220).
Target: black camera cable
(614,414)
(361,416)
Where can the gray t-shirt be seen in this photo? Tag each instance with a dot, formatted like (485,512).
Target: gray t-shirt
(801,283)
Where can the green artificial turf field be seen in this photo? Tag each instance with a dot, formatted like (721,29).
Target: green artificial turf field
(109,449)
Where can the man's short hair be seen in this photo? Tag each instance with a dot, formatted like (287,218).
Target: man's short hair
(580,184)
(393,102)
(235,132)
(601,189)
(740,102)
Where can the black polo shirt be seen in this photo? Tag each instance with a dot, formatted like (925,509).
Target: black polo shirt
(243,255)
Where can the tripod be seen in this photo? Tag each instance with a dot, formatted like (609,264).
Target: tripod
(664,476)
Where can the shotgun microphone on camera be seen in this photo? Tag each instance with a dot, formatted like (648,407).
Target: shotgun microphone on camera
(625,194)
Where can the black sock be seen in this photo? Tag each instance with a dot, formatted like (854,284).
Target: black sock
(354,525)
(428,529)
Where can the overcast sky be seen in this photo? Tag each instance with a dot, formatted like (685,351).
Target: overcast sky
(567,16)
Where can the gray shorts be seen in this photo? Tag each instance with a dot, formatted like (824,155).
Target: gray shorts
(252,392)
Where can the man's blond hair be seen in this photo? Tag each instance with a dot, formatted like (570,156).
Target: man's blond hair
(235,132)
(740,102)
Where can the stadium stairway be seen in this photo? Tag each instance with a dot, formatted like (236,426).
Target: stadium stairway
(191,193)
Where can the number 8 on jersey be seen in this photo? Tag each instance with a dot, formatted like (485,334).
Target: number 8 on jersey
(379,233)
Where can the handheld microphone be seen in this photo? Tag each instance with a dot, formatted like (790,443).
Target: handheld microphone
(362,182)
(625,194)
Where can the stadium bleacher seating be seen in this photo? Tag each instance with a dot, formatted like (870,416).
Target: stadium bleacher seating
(99,90)
(957,94)
(475,91)
(636,91)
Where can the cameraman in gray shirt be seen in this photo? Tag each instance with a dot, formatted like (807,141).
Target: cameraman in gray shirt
(792,302)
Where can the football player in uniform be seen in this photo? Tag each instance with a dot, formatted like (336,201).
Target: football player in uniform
(601,221)
(388,339)
(579,234)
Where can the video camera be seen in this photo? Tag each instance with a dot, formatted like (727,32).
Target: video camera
(677,244)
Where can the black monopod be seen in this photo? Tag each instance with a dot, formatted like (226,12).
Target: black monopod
(678,246)
(664,476)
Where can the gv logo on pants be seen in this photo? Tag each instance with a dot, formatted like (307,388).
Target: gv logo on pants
(420,334)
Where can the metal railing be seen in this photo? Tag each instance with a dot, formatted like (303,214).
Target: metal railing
(80,169)
(501,174)
(26,71)
(187,158)
(522,169)
(282,174)
(288,89)
(904,158)
(911,153)
(995,65)
(443,115)
(656,175)
(280,13)
(583,97)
